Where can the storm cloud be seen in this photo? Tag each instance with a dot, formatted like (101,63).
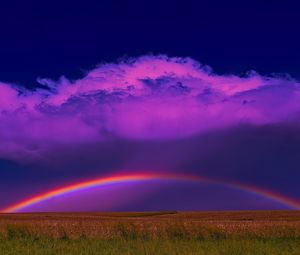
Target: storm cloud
(152,98)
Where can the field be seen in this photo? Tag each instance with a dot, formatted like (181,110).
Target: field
(209,233)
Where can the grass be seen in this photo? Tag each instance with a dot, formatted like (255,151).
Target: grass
(157,247)
(209,233)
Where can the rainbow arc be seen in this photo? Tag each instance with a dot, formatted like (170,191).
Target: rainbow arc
(17,207)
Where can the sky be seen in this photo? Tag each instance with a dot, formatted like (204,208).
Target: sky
(195,89)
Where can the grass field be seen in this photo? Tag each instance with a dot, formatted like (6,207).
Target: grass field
(245,232)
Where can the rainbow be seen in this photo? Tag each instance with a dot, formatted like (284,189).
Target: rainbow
(294,204)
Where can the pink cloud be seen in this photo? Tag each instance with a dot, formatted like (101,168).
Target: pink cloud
(151,97)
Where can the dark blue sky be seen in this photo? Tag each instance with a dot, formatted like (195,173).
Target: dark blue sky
(50,39)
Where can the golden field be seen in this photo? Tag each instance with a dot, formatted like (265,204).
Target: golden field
(169,232)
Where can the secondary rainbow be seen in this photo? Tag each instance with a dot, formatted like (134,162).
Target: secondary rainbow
(295,204)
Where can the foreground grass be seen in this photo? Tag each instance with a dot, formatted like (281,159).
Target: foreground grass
(149,247)
(157,233)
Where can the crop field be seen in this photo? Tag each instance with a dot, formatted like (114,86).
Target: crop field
(168,232)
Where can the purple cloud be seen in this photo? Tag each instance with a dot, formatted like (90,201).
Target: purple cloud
(148,98)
